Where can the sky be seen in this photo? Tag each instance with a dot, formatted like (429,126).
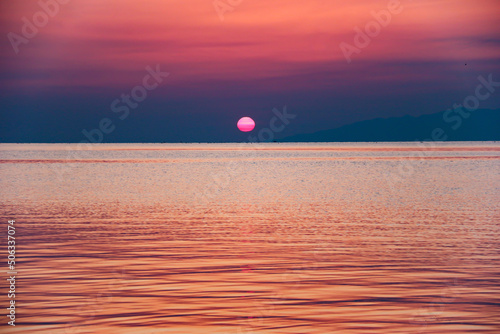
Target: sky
(64,72)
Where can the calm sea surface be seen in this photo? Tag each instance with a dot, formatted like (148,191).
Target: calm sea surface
(240,238)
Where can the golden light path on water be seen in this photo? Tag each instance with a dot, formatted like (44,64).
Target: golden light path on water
(272,238)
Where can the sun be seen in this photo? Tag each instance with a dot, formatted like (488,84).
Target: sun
(246,124)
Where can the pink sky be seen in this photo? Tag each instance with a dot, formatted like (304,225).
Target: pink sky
(263,55)
(258,39)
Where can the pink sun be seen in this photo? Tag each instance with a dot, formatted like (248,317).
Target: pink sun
(246,124)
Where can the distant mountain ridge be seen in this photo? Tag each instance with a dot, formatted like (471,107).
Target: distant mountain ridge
(451,125)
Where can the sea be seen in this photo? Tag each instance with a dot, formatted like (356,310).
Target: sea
(252,237)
